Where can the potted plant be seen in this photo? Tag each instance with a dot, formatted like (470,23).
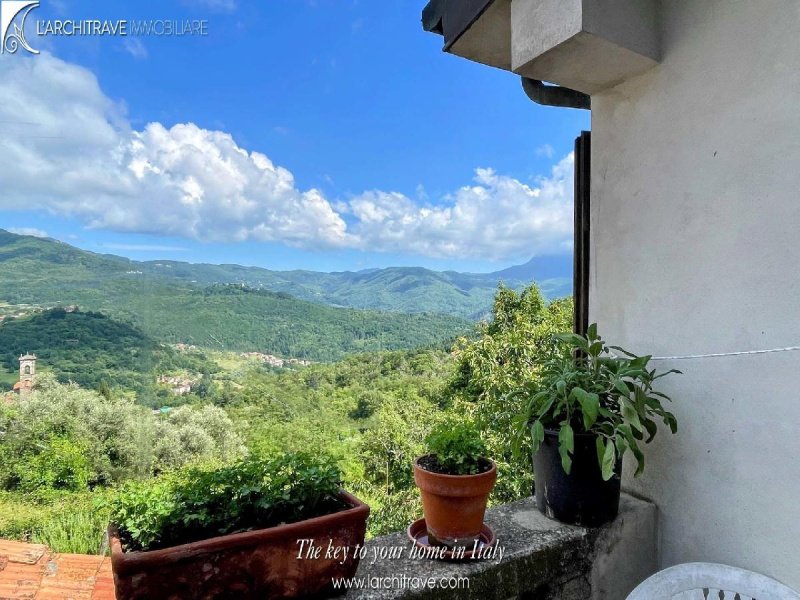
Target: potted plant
(588,407)
(454,479)
(236,531)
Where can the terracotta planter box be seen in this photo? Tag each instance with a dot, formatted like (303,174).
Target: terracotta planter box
(260,564)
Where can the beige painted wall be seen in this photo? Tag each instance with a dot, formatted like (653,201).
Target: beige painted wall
(696,249)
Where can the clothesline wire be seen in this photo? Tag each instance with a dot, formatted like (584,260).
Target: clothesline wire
(721,354)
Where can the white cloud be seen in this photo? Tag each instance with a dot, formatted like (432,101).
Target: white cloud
(135,47)
(40,233)
(68,149)
(224,5)
(498,217)
(143,247)
(78,156)
(546,150)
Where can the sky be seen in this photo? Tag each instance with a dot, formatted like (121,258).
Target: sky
(316,134)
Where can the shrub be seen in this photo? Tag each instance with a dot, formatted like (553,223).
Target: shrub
(65,437)
(189,433)
(66,522)
(19,516)
(396,438)
(62,465)
(79,530)
(389,513)
(457,447)
(509,348)
(198,503)
(586,388)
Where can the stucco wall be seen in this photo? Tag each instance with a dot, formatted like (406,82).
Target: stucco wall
(696,249)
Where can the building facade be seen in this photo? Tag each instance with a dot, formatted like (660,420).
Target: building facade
(693,238)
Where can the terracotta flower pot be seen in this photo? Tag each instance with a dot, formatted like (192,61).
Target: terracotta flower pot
(260,564)
(454,505)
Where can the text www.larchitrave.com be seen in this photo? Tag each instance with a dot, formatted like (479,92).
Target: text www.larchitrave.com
(400,582)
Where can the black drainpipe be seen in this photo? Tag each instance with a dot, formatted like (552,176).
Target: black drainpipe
(555,95)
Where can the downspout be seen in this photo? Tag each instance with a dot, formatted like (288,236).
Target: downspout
(555,95)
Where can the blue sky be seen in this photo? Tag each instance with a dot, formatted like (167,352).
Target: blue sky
(324,134)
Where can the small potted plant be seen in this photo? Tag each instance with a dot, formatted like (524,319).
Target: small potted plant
(454,479)
(236,531)
(586,410)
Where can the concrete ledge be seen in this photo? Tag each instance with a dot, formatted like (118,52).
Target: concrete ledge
(542,559)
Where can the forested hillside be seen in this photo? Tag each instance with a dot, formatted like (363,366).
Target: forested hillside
(225,317)
(232,317)
(35,269)
(90,348)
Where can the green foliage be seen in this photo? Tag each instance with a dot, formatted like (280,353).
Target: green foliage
(93,351)
(318,406)
(371,412)
(76,531)
(458,447)
(66,522)
(388,512)
(65,437)
(19,515)
(191,433)
(585,388)
(395,439)
(508,349)
(199,503)
(61,465)
(244,319)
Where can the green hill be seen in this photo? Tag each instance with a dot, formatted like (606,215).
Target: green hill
(174,308)
(233,317)
(399,289)
(88,348)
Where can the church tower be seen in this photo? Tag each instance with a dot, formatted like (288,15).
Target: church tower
(27,372)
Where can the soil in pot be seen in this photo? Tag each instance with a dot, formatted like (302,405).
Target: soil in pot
(453,505)
(582,497)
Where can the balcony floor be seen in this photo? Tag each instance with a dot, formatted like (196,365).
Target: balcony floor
(32,572)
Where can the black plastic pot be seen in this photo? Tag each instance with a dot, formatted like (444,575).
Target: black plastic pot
(582,497)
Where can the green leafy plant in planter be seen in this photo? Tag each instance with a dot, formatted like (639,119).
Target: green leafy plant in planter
(246,519)
(598,393)
(198,503)
(456,448)
(454,480)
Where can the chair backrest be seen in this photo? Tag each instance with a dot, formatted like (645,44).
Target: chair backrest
(708,581)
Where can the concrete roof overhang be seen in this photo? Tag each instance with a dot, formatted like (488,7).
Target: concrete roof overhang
(478,30)
(583,45)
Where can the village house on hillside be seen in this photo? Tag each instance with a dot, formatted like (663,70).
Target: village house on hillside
(180,386)
(275,361)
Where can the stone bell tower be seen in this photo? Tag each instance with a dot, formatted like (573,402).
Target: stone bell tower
(27,373)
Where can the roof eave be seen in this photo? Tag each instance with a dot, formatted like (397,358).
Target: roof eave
(451,19)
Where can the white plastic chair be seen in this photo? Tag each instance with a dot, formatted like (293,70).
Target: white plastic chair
(708,581)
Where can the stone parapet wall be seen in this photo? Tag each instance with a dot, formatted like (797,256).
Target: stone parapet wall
(542,560)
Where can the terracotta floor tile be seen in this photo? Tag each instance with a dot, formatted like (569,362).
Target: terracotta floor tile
(30,572)
(20,552)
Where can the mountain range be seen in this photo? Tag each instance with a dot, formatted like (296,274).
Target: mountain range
(295,313)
